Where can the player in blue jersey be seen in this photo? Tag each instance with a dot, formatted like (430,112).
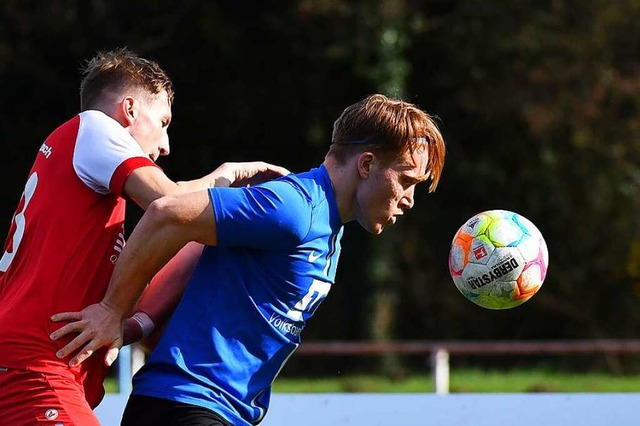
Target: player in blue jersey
(270,258)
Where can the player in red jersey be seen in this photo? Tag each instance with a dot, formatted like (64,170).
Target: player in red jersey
(67,231)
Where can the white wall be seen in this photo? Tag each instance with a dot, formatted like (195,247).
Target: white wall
(615,409)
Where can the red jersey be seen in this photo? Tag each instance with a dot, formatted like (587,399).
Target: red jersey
(64,240)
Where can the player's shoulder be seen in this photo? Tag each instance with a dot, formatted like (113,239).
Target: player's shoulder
(312,185)
(96,123)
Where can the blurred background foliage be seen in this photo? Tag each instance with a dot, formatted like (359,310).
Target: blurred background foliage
(538,102)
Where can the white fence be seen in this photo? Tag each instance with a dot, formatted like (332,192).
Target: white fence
(440,352)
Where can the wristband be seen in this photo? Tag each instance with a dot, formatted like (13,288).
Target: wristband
(146,323)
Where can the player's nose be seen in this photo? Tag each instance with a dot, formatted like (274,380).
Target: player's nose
(406,202)
(164,148)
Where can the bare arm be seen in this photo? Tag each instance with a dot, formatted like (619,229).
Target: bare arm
(168,224)
(146,184)
(160,298)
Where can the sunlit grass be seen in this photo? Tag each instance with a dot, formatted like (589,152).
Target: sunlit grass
(540,381)
(468,381)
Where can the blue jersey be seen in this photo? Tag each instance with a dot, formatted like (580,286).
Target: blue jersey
(249,297)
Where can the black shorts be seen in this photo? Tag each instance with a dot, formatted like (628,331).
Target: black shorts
(145,410)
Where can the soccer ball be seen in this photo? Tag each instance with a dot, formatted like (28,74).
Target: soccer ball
(498,259)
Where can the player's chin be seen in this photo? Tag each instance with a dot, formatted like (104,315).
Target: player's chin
(373,227)
(380,226)
(377,228)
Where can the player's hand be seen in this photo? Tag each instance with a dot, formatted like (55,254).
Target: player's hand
(246,174)
(97,326)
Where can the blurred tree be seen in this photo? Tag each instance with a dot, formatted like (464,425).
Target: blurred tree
(540,103)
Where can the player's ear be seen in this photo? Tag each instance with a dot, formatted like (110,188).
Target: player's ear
(365,162)
(128,108)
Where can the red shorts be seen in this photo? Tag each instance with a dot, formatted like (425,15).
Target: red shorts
(36,396)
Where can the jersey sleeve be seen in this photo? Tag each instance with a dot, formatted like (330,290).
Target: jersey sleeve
(272,215)
(105,153)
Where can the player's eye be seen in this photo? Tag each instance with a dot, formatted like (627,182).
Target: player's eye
(407,181)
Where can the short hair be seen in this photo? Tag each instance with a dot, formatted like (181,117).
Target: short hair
(384,125)
(119,70)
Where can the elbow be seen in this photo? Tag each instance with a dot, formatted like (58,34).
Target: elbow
(187,217)
(164,211)
(189,213)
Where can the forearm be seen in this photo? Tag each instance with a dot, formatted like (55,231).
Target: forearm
(209,181)
(163,293)
(160,298)
(153,242)
(224,176)
(167,226)
(147,184)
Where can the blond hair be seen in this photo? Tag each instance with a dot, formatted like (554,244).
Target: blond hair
(119,70)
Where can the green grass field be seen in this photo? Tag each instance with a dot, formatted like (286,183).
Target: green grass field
(461,381)
(464,381)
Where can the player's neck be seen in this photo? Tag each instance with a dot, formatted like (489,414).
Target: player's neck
(344,187)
